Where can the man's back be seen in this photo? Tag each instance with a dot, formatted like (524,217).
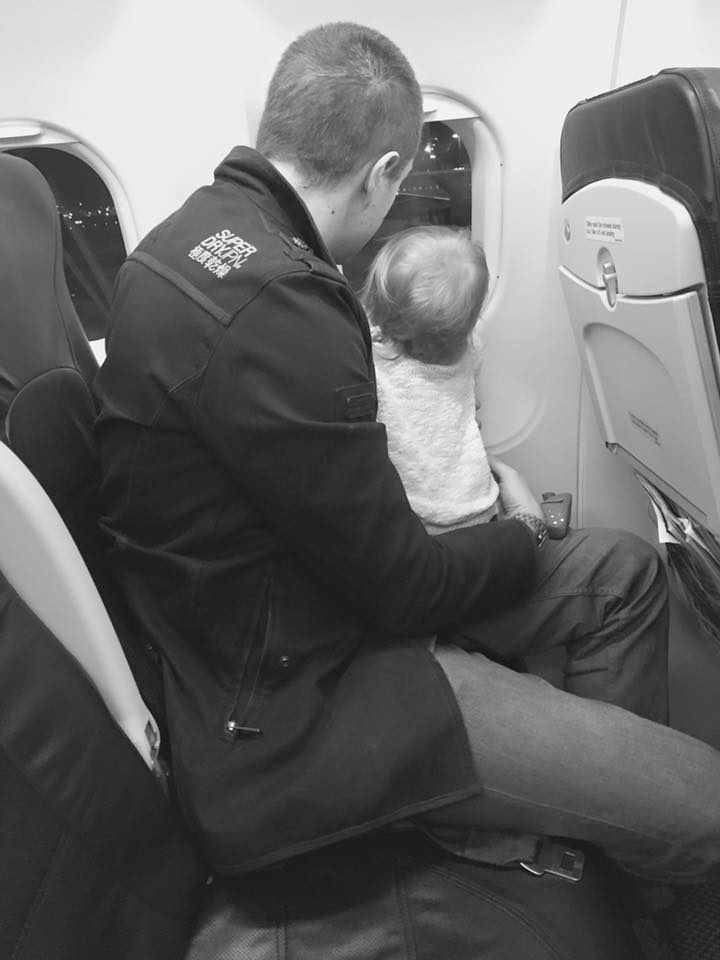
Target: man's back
(262,538)
(164,487)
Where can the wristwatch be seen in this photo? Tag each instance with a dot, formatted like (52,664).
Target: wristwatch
(536,525)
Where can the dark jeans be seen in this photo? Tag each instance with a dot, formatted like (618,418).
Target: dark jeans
(593,761)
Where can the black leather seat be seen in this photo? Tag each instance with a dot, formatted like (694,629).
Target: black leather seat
(94,861)
(47,410)
(46,363)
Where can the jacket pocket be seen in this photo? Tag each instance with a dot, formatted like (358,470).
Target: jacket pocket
(237,723)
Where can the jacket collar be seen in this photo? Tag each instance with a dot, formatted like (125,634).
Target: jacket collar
(268,189)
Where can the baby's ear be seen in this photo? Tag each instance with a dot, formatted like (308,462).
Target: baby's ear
(478,344)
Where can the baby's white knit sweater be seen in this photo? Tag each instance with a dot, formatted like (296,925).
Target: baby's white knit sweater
(433,437)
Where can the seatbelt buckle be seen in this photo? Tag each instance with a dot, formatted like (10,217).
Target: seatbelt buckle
(555,858)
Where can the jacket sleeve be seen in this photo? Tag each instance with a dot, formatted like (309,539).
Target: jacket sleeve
(278,404)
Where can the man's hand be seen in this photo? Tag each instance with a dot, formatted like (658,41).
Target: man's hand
(515,495)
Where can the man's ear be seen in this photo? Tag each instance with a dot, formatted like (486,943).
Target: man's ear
(384,167)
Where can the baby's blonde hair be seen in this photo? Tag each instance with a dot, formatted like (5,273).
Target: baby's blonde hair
(425,290)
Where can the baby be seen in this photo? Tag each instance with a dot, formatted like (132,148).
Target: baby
(423,297)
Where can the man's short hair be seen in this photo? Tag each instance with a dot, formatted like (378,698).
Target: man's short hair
(425,290)
(341,95)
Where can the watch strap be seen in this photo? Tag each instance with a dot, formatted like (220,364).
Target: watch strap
(535,525)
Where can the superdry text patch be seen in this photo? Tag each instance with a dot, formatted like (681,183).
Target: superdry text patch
(222,252)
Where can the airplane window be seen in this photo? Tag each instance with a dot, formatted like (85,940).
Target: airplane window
(93,245)
(438,190)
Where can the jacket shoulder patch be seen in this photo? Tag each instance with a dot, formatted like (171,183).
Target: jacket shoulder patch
(222,252)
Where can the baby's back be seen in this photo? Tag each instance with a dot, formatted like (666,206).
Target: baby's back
(433,438)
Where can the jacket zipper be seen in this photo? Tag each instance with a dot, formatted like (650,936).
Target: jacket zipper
(236,724)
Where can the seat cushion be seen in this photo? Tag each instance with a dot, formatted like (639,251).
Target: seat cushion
(402,898)
(94,861)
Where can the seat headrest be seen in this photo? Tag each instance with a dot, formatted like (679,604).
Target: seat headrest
(663,130)
(46,362)
(39,327)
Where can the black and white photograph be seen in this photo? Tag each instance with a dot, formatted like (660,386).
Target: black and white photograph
(359,480)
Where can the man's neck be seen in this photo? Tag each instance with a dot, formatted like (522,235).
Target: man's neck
(328,205)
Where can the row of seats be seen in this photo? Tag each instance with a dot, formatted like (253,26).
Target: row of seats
(94,860)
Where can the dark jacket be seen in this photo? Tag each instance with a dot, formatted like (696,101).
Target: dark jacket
(263,538)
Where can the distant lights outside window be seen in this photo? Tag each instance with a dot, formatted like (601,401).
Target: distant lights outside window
(95,217)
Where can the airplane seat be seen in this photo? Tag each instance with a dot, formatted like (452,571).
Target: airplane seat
(640,271)
(94,860)
(47,410)
(46,362)
(401,897)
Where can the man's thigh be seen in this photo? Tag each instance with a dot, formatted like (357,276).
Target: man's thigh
(552,763)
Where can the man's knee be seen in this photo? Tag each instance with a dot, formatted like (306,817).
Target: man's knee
(647,569)
(633,563)
(697,821)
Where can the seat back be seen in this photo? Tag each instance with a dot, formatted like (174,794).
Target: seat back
(640,270)
(42,563)
(46,362)
(47,414)
(94,861)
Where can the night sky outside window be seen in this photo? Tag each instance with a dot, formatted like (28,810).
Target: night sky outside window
(438,190)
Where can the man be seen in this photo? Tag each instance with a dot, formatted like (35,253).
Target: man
(266,547)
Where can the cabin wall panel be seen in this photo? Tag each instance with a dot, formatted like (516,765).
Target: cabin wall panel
(163,90)
(522,64)
(158,89)
(664,33)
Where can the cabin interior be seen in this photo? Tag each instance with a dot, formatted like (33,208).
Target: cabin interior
(127,106)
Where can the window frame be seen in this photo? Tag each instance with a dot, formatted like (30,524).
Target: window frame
(21,133)
(472,126)
(486,170)
(16,134)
